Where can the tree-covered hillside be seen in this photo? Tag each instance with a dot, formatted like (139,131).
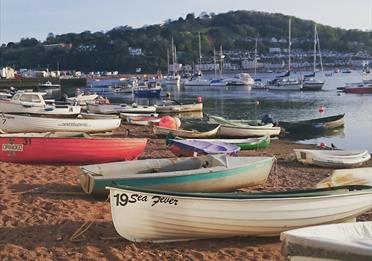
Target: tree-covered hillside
(91,51)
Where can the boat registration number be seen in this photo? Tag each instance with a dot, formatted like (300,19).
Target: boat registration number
(12,147)
(122,199)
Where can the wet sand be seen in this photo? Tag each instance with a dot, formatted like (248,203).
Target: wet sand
(42,206)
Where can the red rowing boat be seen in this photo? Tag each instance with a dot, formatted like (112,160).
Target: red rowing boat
(362,88)
(69,150)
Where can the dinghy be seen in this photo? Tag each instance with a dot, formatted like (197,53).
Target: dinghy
(244,144)
(188,148)
(190,130)
(175,107)
(349,241)
(199,174)
(30,148)
(94,107)
(342,177)
(319,124)
(142,120)
(34,103)
(332,158)
(141,214)
(10,123)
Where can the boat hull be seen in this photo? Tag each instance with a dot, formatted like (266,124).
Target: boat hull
(179,108)
(146,93)
(227,131)
(253,171)
(69,150)
(141,215)
(360,90)
(319,124)
(119,108)
(188,134)
(11,123)
(9,107)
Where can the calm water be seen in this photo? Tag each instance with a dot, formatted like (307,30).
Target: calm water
(240,103)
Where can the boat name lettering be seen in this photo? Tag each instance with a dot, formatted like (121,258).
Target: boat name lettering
(163,200)
(12,147)
(73,124)
(123,199)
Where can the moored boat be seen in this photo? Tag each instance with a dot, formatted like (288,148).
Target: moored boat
(70,150)
(348,241)
(199,174)
(318,124)
(332,158)
(188,148)
(10,123)
(142,120)
(142,214)
(358,88)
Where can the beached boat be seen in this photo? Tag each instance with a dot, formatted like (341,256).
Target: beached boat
(34,103)
(342,177)
(28,148)
(141,214)
(244,129)
(175,107)
(191,131)
(227,131)
(245,144)
(198,174)
(87,115)
(189,148)
(318,124)
(10,123)
(81,99)
(349,241)
(142,120)
(94,107)
(332,158)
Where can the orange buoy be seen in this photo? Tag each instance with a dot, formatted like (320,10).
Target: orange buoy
(322,145)
(200,99)
(168,122)
(321,108)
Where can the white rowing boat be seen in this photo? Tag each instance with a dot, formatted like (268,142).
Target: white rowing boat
(342,177)
(159,216)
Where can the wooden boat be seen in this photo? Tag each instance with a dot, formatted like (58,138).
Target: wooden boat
(349,241)
(26,148)
(319,124)
(175,107)
(199,174)
(332,158)
(342,177)
(189,148)
(245,144)
(159,216)
(10,123)
(118,108)
(34,103)
(192,131)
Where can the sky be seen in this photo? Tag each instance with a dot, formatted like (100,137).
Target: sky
(36,18)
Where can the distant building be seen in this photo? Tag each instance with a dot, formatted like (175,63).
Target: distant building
(247,64)
(7,73)
(135,51)
(273,50)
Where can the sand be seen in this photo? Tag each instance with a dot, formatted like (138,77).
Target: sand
(42,206)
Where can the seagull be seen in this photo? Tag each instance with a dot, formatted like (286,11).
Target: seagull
(333,146)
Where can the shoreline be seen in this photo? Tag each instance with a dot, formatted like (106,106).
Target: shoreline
(42,206)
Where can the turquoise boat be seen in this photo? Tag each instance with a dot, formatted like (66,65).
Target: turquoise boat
(207,173)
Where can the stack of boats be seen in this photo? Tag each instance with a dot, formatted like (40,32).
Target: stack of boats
(36,130)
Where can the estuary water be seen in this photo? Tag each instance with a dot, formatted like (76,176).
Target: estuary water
(246,103)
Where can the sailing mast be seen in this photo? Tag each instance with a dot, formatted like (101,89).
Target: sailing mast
(255,57)
(215,63)
(289,45)
(320,54)
(221,60)
(315,40)
(168,60)
(200,56)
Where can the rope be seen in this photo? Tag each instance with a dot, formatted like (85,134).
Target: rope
(84,228)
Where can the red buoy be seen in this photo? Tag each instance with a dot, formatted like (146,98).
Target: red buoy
(321,108)
(168,122)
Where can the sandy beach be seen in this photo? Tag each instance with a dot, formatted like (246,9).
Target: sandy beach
(42,210)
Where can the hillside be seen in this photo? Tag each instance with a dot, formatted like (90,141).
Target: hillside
(91,51)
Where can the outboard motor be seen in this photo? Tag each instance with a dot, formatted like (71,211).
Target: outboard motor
(268,118)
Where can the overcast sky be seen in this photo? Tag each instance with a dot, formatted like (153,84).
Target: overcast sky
(36,18)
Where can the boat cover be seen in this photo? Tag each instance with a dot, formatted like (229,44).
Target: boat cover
(347,241)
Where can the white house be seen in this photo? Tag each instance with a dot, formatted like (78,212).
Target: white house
(135,51)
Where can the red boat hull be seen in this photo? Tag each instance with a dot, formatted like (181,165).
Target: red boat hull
(69,150)
(358,89)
